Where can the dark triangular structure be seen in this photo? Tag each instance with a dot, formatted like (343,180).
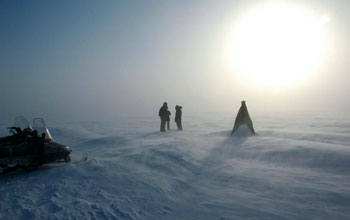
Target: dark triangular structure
(243,118)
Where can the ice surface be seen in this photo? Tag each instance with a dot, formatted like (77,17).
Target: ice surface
(294,168)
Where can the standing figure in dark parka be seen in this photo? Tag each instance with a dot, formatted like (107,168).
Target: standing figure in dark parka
(178,115)
(163,112)
(243,118)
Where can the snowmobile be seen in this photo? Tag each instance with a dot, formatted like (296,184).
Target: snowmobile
(30,147)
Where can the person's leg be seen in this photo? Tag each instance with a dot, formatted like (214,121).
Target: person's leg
(162,125)
(168,124)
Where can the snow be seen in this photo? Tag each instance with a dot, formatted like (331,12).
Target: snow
(296,167)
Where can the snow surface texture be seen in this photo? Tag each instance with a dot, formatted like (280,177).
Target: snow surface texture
(295,168)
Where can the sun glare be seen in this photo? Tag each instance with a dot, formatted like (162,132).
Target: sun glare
(277,46)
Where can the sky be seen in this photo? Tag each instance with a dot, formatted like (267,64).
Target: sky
(104,59)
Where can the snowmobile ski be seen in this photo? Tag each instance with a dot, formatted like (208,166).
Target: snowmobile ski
(83,159)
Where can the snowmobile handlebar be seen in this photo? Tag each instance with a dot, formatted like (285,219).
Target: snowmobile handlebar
(17,129)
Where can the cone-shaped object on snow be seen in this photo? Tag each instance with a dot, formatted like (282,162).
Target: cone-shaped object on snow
(243,118)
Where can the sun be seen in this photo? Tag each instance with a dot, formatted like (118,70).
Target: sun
(277,45)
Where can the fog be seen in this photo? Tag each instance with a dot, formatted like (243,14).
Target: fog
(99,60)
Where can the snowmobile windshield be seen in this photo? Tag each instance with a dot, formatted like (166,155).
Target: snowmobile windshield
(22,123)
(40,125)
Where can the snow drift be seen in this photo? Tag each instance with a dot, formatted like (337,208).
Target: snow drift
(292,169)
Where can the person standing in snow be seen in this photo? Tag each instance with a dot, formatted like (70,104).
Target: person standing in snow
(243,118)
(168,119)
(163,112)
(178,115)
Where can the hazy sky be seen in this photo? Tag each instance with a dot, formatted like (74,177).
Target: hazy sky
(100,59)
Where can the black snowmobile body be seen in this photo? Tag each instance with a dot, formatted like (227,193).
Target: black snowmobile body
(31,152)
(28,149)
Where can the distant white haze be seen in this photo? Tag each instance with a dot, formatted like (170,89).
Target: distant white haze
(104,59)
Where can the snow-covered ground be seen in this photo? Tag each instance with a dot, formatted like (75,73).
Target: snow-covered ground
(295,168)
